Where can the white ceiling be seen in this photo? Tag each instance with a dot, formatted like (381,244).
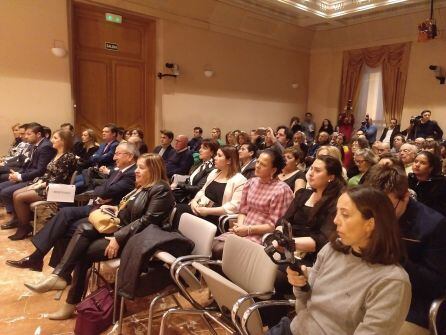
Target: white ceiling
(326,14)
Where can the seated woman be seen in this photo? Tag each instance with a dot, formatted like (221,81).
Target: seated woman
(149,203)
(89,147)
(247,155)
(137,138)
(293,172)
(222,192)
(427,181)
(13,149)
(356,144)
(357,284)
(59,171)
(243,138)
(364,160)
(185,191)
(264,200)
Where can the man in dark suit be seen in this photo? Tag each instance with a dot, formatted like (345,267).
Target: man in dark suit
(102,157)
(390,132)
(182,160)
(165,149)
(42,152)
(120,182)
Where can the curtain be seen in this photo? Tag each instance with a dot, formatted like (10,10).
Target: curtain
(394,60)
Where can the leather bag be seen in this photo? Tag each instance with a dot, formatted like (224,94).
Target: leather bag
(103,221)
(95,312)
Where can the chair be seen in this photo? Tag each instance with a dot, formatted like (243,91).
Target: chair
(249,274)
(226,221)
(202,233)
(437,319)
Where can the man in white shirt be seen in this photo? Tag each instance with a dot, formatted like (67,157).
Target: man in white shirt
(390,131)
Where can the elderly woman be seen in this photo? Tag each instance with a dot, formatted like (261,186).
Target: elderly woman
(264,200)
(149,203)
(364,160)
(357,284)
(59,171)
(427,182)
(222,192)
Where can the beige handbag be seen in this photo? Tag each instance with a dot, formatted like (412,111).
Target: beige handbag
(104,221)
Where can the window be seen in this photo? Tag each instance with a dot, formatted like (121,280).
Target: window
(370,98)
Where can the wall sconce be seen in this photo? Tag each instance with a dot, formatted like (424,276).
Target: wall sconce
(174,69)
(438,72)
(208,73)
(58,49)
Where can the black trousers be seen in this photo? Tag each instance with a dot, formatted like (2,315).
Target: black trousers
(62,225)
(86,247)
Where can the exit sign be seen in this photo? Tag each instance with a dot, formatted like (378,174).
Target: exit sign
(115,18)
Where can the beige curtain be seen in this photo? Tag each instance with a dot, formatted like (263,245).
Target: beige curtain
(394,59)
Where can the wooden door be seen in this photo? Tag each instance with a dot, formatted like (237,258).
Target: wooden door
(113,70)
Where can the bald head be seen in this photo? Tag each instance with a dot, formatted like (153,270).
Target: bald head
(181,142)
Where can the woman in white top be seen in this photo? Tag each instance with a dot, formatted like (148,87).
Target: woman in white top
(222,192)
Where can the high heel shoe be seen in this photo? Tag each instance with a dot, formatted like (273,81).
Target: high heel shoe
(65,312)
(51,283)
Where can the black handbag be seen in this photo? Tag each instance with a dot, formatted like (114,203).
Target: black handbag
(95,312)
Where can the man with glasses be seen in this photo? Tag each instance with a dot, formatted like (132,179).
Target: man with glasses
(58,230)
(423,231)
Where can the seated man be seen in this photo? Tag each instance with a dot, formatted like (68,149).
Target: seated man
(407,153)
(423,231)
(42,152)
(120,182)
(17,159)
(102,157)
(195,143)
(165,149)
(182,160)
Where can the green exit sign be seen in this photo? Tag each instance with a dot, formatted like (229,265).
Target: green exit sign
(113,18)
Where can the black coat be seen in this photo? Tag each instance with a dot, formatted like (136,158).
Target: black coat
(424,233)
(396,130)
(152,206)
(187,190)
(167,153)
(431,192)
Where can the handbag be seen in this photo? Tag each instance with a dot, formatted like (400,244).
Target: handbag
(104,221)
(95,312)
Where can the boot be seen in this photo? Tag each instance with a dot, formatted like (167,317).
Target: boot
(51,283)
(65,312)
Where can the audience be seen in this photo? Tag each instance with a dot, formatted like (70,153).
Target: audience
(58,171)
(42,152)
(423,232)
(150,203)
(231,180)
(357,284)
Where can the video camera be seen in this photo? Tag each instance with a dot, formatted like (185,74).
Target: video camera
(280,247)
(415,119)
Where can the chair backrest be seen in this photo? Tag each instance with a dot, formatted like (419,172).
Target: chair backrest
(259,272)
(248,270)
(198,230)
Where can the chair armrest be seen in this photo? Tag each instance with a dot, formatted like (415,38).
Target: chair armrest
(433,313)
(37,204)
(224,220)
(188,276)
(259,305)
(241,301)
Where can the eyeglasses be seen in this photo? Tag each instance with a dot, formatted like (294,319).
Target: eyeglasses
(359,161)
(117,153)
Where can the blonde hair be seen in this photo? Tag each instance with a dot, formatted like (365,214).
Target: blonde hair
(156,167)
(331,151)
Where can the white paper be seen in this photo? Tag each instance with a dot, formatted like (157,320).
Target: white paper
(61,193)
